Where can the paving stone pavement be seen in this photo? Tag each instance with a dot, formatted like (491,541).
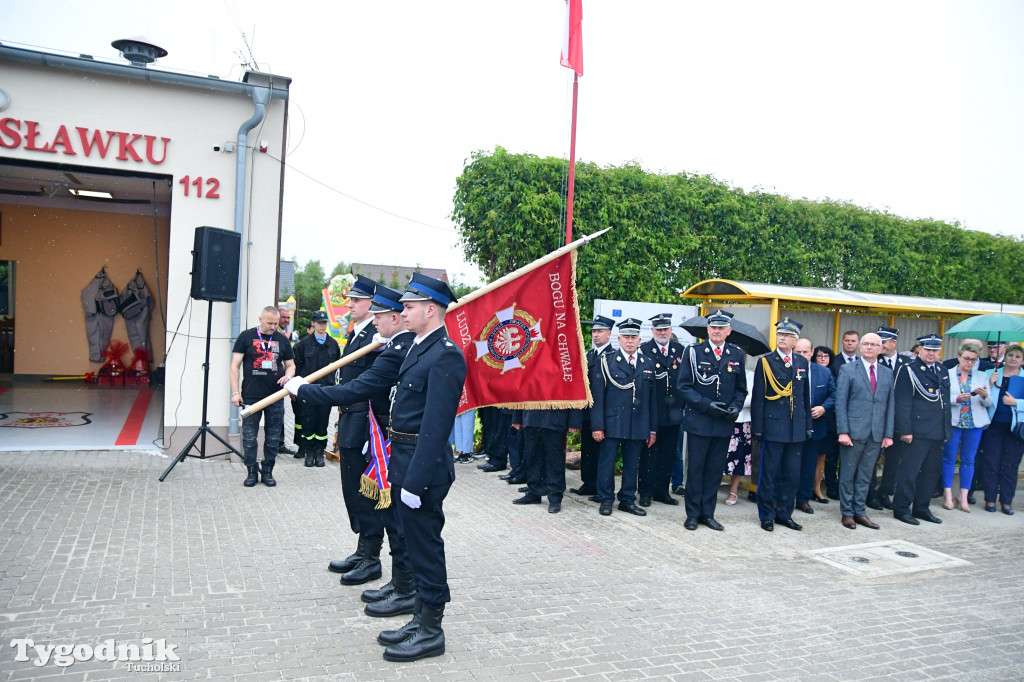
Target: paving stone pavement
(93,547)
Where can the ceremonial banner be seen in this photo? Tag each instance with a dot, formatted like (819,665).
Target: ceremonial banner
(374,482)
(522,339)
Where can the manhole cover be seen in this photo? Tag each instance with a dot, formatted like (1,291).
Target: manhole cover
(876,559)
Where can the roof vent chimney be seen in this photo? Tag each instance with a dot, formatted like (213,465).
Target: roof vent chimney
(139,51)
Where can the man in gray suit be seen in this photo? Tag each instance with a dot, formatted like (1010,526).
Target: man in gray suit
(864,422)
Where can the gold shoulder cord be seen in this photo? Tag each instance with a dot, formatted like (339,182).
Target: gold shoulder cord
(780,390)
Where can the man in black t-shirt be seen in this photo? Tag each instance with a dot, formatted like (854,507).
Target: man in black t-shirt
(267,362)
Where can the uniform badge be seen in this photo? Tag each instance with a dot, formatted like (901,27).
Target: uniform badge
(706,350)
(509,339)
(789,364)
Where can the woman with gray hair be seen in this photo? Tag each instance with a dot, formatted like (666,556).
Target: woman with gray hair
(969,393)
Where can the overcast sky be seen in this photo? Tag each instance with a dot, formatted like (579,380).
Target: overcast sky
(914,107)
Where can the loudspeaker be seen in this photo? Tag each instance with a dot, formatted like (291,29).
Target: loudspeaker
(215,264)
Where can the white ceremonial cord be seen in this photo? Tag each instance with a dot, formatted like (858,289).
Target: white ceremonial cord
(609,379)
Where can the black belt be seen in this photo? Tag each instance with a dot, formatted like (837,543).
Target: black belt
(383,419)
(354,407)
(403,438)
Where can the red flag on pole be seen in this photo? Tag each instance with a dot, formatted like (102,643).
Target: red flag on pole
(572,37)
(522,338)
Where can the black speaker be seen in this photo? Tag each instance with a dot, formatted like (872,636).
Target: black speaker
(215,264)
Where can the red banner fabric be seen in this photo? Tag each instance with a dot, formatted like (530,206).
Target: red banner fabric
(523,343)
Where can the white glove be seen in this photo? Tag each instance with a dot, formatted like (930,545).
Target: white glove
(410,500)
(377,338)
(293,384)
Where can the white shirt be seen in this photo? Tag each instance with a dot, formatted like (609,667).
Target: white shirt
(868,366)
(848,358)
(600,349)
(360,326)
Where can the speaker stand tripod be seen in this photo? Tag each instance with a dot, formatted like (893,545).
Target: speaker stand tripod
(200,434)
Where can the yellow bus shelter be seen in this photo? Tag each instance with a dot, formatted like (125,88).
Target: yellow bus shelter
(827,313)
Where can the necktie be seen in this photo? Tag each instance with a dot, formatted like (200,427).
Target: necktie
(718,353)
(888,363)
(874,382)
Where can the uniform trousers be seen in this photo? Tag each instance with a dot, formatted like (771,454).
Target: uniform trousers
(855,466)
(890,465)
(516,452)
(353,464)
(544,455)
(272,430)
(311,425)
(420,530)
(496,436)
(808,465)
(656,462)
(918,473)
(589,452)
(606,469)
(705,461)
(831,450)
(778,478)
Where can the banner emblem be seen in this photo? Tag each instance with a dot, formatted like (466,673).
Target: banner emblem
(509,339)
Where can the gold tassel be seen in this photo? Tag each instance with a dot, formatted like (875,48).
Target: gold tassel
(368,488)
(385,499)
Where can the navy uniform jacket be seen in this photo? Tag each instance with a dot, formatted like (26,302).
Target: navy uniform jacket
(630,413)
(923,416)
(427,395)
(823,393)
(772,418)
(549,420)
(900,361)
(374,384)
(594,365)
(666,374)
(353,426)
(731,387)
(311,356)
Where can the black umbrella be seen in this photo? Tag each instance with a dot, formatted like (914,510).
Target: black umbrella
(743,335)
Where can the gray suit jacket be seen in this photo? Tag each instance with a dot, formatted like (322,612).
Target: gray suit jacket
(859,412)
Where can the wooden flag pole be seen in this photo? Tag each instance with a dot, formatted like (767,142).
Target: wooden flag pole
(324,371)
(526,268)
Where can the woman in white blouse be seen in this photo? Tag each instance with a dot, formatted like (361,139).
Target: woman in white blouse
(970,395)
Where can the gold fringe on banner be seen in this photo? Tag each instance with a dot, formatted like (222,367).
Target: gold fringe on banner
(369,488)
(385,499)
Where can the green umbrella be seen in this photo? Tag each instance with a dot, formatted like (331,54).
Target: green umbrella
(992,327)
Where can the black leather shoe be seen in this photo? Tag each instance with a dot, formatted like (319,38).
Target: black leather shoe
(285,449)
(366,570)
(710,522)
(631,508)
(464,458)
(645,501)
(804,507)
(380,594)
(752,496)
(298,454)
(665,499)
(820,500)
(874,503)
(907,518)
(789,523)
(254,476)
(505,477)
(527,499)
(927,516)
(970,499)
(583,490)
(594,498)
(768,526)
(554,507)
(267,474)
(679,490)
(886,502)
(606,509)
(690,524)
(487,467)
(517,480)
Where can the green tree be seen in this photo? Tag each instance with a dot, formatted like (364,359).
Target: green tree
(671,231)
(309,285)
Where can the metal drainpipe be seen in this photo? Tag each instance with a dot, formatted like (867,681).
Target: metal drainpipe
(260,97)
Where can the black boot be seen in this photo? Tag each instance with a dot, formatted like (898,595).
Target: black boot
(253,478)
(318,458)
(380,594)
(268,474)
(368,567)
(405,632)
(298,454)
(309,454)
(348,563)
(399,602)
(427,640)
